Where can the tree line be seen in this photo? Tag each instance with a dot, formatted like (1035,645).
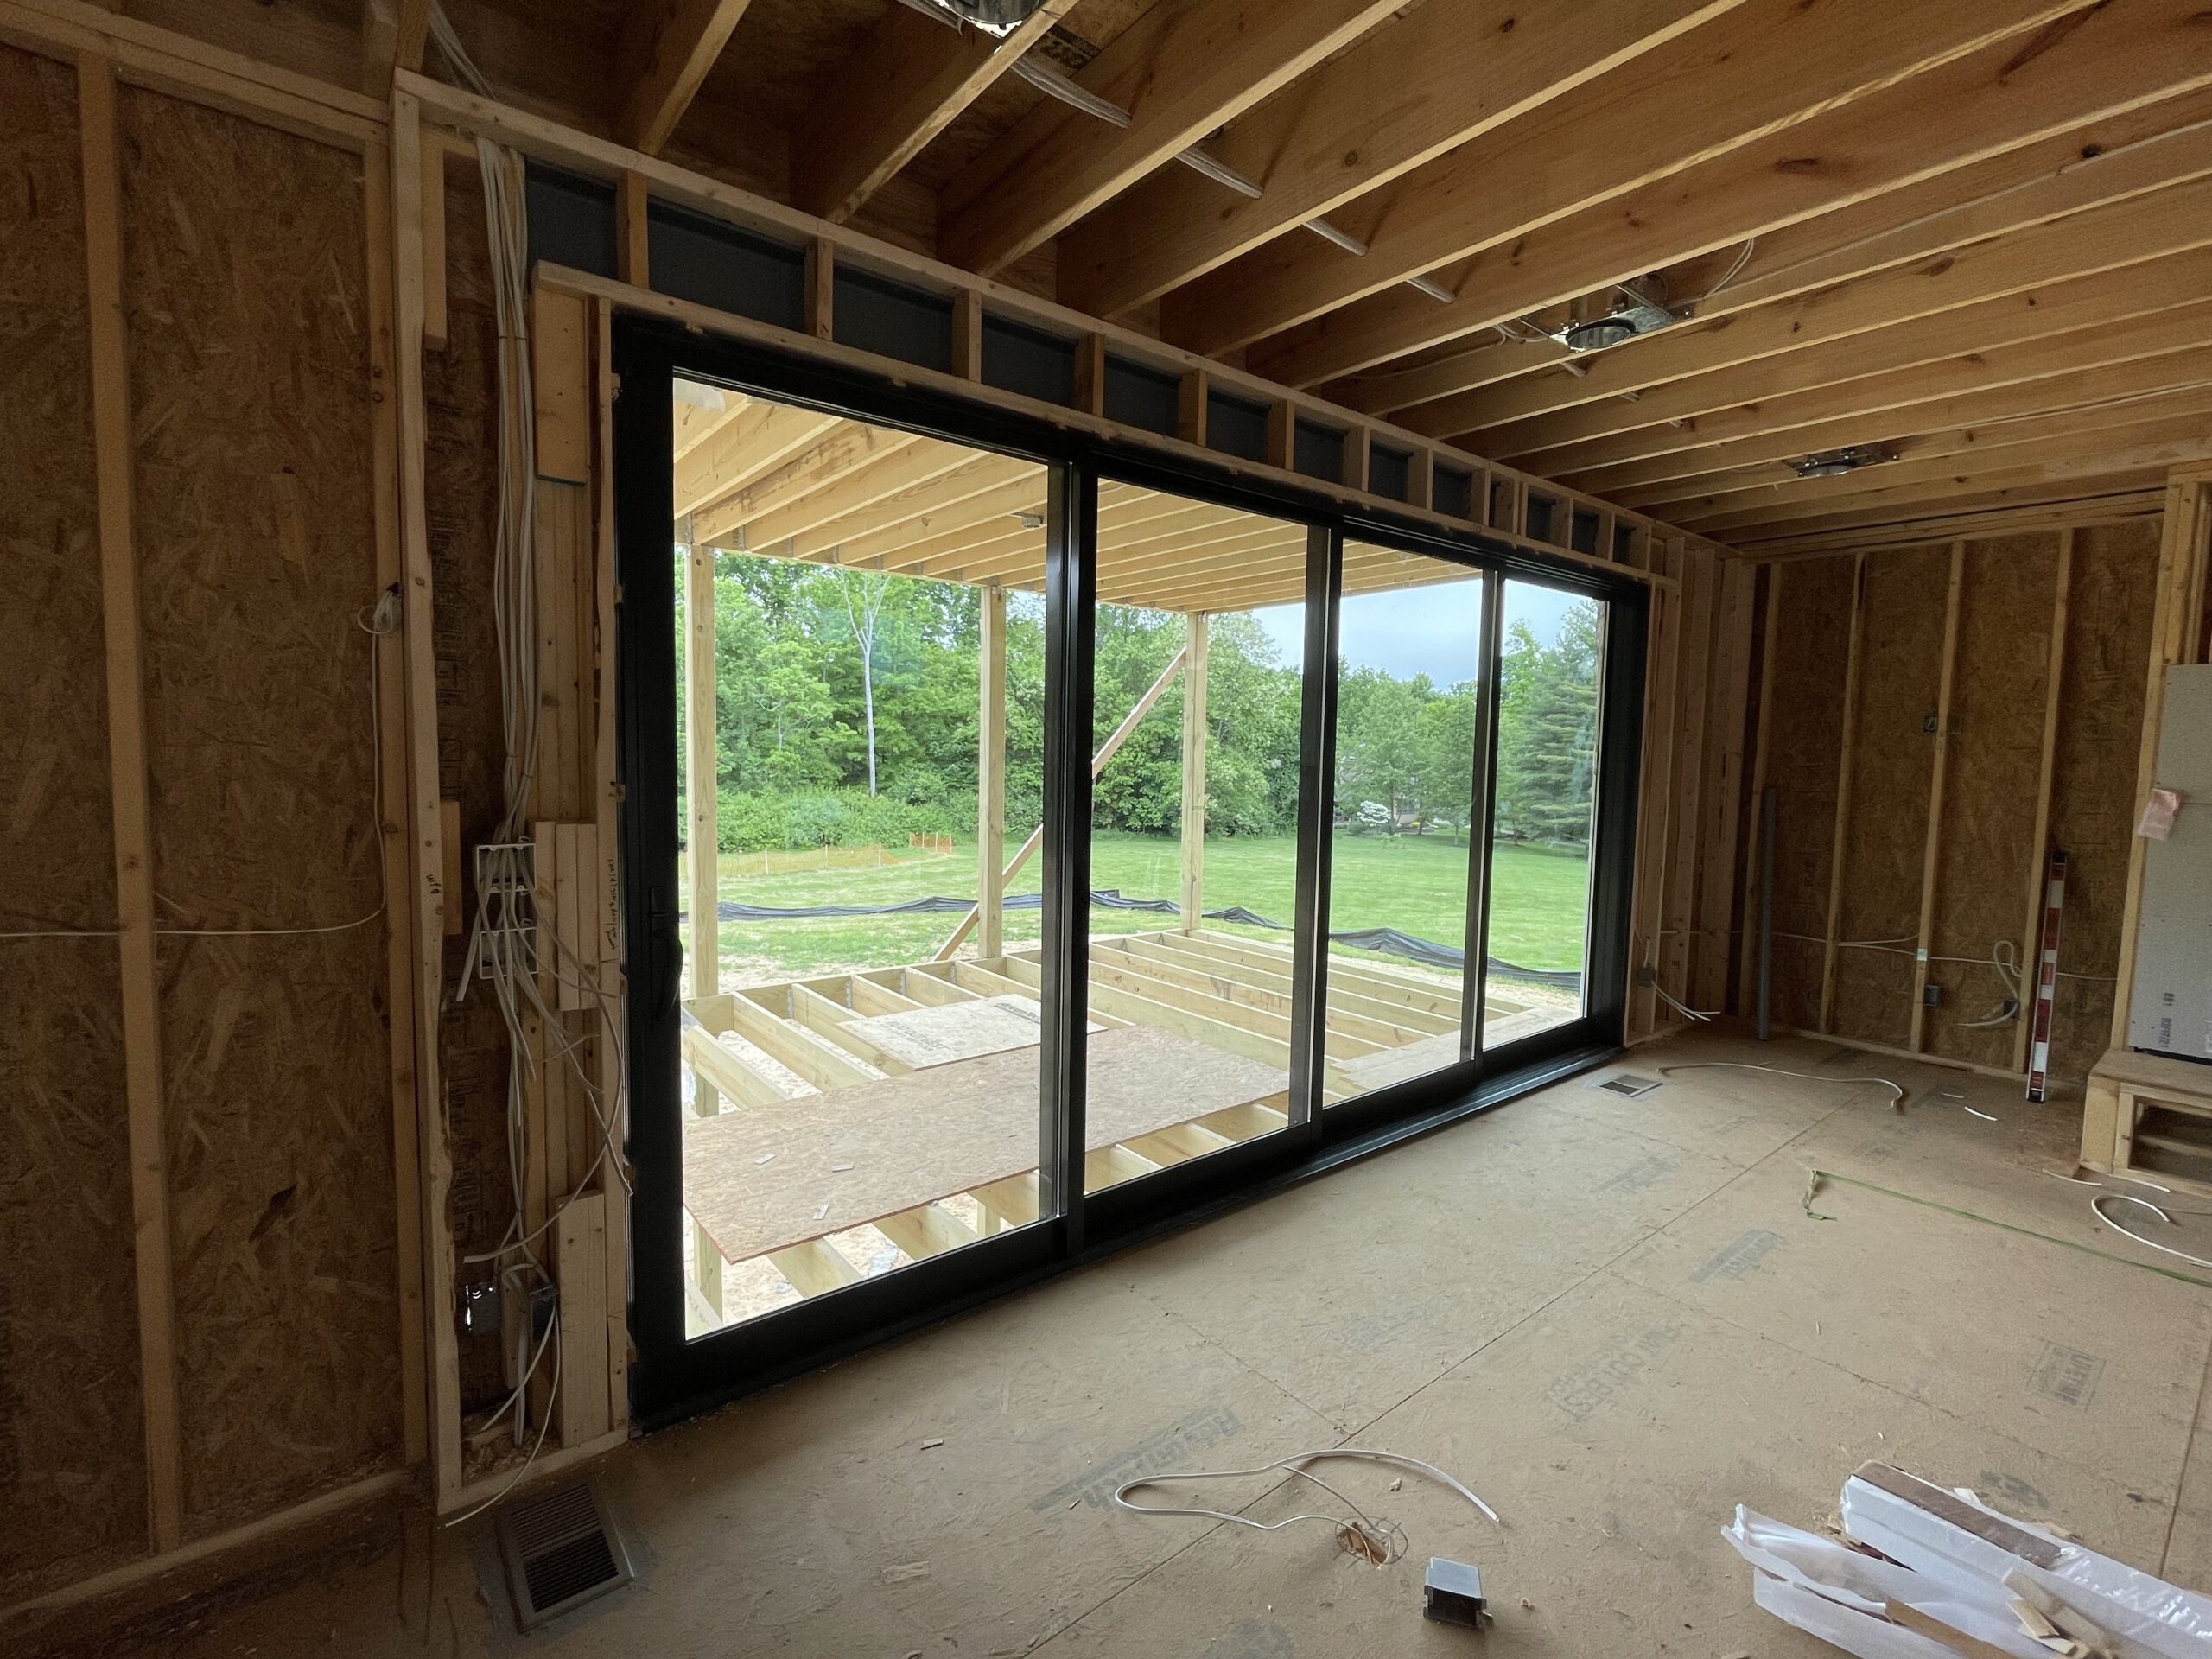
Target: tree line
(845,712)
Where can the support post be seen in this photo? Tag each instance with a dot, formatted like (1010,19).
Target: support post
(427,859)
(1194,774)
(990,776)
(2046,772)
(700,767)
(1106,750)
(131,806)
(1847,750)
(1932,852)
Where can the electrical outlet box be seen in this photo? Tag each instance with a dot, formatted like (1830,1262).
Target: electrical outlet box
(505,934)
(1931,996)
(480,1312)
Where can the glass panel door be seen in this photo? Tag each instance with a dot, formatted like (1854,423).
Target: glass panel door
(1548,711)
(861,640)
(1408,761)
(1197,712)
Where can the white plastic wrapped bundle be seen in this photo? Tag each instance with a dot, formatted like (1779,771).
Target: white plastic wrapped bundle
(1827,1590)
(1947,1537)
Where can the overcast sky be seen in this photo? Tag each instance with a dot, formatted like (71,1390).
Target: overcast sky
(1430,631)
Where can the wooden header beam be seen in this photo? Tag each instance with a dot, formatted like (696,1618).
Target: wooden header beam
(599,158)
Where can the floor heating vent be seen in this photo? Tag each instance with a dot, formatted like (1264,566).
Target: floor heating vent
(561,1551)
(1625,1083)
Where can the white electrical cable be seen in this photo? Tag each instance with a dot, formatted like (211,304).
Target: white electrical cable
(553,1331)
(1385,1540)
(449,43)
(1734,271)
(2098,1203)
(1684,1009)
(1747,1065)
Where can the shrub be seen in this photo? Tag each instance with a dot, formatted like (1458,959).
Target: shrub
(747,822)
(751,822)
(815,820)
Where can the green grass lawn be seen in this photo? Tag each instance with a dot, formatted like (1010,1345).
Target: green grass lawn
(1415,884)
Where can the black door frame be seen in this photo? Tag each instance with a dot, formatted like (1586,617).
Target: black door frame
(674,1377)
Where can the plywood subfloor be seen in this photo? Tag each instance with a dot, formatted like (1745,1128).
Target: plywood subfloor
(758,1181)
(1614,1319)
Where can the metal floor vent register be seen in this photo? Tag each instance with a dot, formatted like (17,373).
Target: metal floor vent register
(561,1551)
(1627,1084)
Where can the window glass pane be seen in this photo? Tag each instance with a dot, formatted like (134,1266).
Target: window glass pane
(1200,631)
(863,646)
(1546,774)
(1410,643)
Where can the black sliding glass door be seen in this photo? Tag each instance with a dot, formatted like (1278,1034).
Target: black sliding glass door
(1026,847)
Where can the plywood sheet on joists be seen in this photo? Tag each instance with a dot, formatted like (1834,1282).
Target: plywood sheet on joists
(245,283)
(1892,773)
(760,1180)
(1803,739)
(72,1462)
(2093,787)
(1984,851)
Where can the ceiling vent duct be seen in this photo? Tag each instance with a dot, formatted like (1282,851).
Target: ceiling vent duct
(1833,463)
(1643,310)
(999,18)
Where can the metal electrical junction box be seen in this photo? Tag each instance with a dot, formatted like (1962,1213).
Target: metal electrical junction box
(2171,1011)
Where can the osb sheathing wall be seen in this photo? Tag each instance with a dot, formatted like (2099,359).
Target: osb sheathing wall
(1854,728)
(71,1465)
(243,260)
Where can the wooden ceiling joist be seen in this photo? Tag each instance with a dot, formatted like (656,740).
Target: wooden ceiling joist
(1764,65)
(847,449)
(2120,449)
(752,441)
(1939,452)
(972,492)
(862,489)
(1923,428)
(669,47)
(908,84)
(2105,239)
(2012,379)
(2085,302)
(1944,526)
(1180,70)
(1433,80)
(1865,524)
(1767,200)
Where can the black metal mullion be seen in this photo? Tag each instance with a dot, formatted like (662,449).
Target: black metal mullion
(1316,794)
(1482,818)
(1070,593)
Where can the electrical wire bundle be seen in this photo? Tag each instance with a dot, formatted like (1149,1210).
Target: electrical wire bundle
(506,935)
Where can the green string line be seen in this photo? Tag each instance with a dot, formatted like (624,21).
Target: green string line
(2025,1232)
